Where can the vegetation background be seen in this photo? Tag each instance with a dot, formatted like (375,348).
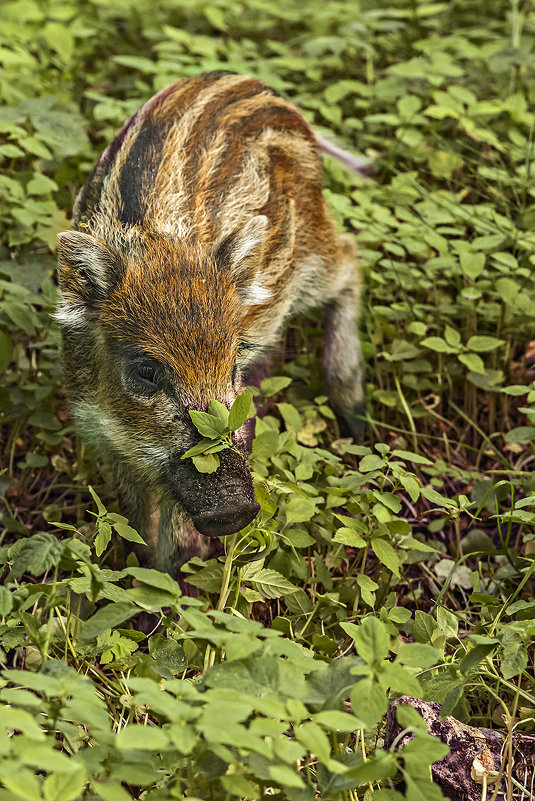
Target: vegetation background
(398,566)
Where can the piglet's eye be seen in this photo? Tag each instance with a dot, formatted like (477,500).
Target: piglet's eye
(146,375)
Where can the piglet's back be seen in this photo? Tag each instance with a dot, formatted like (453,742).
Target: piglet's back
(200,159)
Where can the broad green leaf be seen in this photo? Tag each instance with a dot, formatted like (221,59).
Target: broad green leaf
(347,536)
(206,462)
(472,264)
(314,739)
(371,462)
(381,766)
(168,652)
(369,702)
(386,554)
(272,584)
(208,425)
(416,458)
(64,786)
(6,601)
(409,718)
(106,618)
(418,655)
(154,578)
(290,415)
(482,344)
(241,409)
(274,385)
(299,509)
(521,434)
(472,361)
(142,738)
(474,656)
(110,791)
(128,533)
(372,640)
(103,537)
(335,720)
(37,554)
(20,781)
(6,351)
(438,344)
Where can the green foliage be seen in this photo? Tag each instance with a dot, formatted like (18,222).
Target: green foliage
(215,427)
(404,566)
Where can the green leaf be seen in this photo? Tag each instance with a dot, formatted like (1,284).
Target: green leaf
(209,578)
(106,618)
(98,503)
(290,416)
(474,656)
(409,456)
(335,720)
(409,718)
(103,537)
(206,463)
(521,434)
(369,702)
(142,738)
(272,584)
(208,425)
(285,776)
(381,766)
(472,264)
(314,739)
(274,385)
(482,344)
(438,344)
(37,554)
(241,409)
(371,462)
(386,554)
(20,781)
(371,637)
(299,509)
(128,533)
(347,536)
(110,791)
(41,185)
(367,587)
(418,655)
(64,786)
(168,652)
(447,622)
(6,601)
(472,361)
(6,351)
(205,446)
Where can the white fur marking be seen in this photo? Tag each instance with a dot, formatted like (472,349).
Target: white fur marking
(70,316)
(257,293)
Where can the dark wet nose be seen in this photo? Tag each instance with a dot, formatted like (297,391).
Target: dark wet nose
(221,522)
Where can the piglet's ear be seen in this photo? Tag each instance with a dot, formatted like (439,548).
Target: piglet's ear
(243,247)
(87,273)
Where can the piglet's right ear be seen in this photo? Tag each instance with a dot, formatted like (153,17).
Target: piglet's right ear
(88,270)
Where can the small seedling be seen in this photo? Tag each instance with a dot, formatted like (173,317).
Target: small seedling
(216,427)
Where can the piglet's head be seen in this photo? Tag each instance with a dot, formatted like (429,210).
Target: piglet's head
(152,329)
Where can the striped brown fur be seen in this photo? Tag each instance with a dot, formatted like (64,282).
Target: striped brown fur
(201,230)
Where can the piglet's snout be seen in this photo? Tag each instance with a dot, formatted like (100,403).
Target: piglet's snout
(226,520)
(219,503)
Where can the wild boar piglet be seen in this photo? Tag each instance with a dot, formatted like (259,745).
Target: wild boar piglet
(201,230)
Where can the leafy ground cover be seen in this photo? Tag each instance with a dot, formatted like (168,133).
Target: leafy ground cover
(398,565)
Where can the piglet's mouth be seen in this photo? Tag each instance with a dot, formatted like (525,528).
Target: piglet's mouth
(221,522)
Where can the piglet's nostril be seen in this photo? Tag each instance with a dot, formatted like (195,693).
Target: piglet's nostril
(220,522)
